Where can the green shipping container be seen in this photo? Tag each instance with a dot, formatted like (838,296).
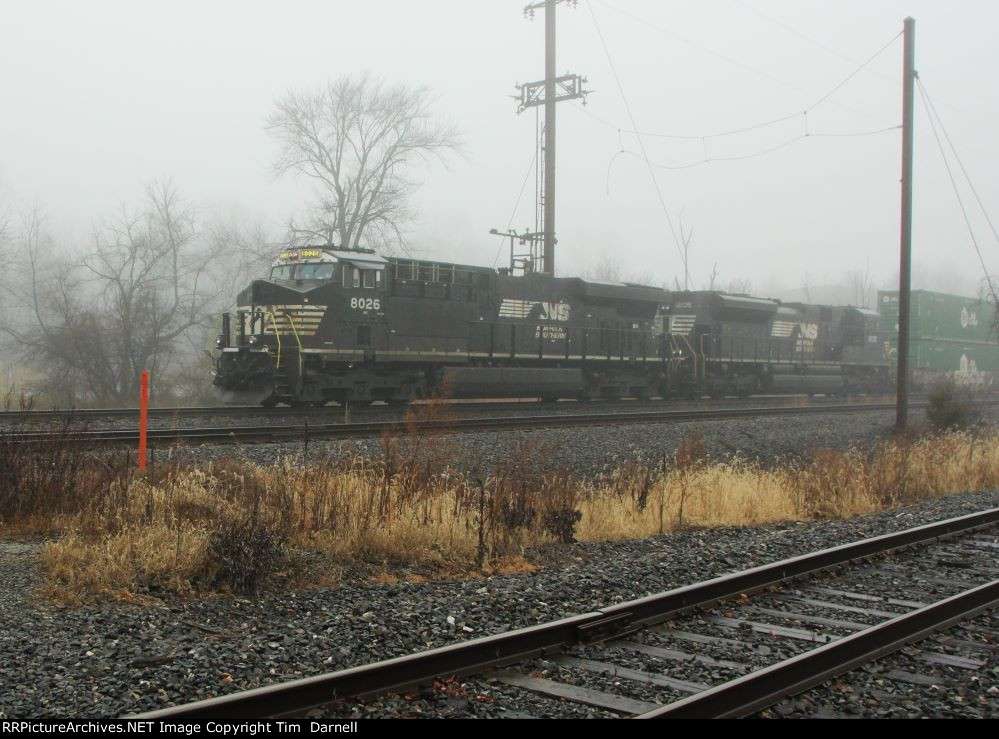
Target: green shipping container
(939,316)
(953,357)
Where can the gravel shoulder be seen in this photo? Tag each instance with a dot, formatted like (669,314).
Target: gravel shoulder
(117,658)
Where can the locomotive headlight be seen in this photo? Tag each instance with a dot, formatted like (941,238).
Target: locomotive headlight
(218,341)
(253,341)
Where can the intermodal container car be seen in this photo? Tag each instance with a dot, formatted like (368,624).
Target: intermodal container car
(949,337)
(940,316)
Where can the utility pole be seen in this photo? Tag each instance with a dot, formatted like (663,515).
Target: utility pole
(905,262)
(548,92)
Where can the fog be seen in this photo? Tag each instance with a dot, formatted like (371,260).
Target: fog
(99,98)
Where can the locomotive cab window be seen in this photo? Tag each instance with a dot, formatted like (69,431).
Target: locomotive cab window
(315,272)
(282,273)
(351,276)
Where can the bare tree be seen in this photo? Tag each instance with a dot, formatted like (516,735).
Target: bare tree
(686,236)
(806,287)
(96,323)
(4,231)
(987,294)
(5,238)
(862,291)
(356,139)
(713,277)
(741,286)
(608,269)
(246,248)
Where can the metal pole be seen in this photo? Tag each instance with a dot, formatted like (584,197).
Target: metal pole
(905,264)
(549,243)
(143,417)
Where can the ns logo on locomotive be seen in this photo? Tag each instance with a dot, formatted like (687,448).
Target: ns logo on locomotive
(348,325)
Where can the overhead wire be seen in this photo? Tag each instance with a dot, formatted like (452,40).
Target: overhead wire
(755,126)
(957,157)
(516,207)
(837,53)
(934,121)
(706,49)
(769,150)
(815,42)
(641,143)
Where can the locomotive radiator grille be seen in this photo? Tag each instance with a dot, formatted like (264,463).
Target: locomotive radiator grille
(782,329)
(682,325)
(511,308)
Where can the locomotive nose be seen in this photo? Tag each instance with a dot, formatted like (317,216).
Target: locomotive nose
(263,292)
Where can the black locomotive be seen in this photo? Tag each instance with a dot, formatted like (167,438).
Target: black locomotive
(349,325)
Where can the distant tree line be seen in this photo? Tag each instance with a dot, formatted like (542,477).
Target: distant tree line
(140,295)
(144,292)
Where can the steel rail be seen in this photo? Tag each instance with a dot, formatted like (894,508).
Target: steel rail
(486,653)
(77,414)
(460,425)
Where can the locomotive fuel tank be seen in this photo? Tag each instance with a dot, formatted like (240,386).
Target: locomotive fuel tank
(490,382)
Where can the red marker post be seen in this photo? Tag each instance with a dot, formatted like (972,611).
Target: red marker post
(143,418)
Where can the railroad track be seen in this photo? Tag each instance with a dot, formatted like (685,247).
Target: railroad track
(332,411)
(360,429)
(726,647)
(90,414)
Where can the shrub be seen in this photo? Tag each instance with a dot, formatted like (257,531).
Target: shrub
(242,554)
(950,408)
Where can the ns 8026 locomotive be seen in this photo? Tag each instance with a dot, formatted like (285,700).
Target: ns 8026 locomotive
(348,325)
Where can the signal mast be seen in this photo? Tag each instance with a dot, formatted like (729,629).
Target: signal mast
(546,93)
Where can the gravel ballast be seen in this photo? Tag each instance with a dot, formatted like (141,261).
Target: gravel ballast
(117,658)
(591,450)
(586,450)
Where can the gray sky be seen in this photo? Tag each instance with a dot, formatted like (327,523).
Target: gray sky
(98,97)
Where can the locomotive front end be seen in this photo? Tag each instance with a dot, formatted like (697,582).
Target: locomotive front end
(301,335)
(260,348)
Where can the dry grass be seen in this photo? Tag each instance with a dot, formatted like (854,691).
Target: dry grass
(232,526)
(833,485)
(40,481)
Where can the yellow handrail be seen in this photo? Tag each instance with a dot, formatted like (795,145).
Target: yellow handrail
(704,357)
(693,351)
(277,333)
(298,340)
